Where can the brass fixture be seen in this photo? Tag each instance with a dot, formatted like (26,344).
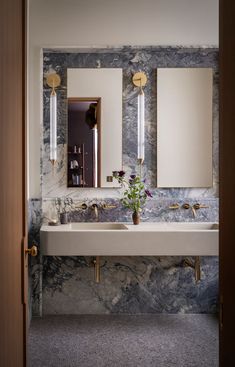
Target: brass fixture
(199,206)
(53,80)
(139,79)
(186,206)
(174,206)
(96,210)
(194,207)
(196,265)
(108,206)
(96,263)
(82,206)
(33,251)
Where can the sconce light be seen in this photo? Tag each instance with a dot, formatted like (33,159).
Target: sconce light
(53,80)
(140,80)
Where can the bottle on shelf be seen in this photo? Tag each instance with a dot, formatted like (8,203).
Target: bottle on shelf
(76,180)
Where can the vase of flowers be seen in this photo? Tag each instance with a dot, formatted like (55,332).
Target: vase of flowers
(135,194)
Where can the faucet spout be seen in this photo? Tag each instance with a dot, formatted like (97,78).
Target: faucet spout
(94,207)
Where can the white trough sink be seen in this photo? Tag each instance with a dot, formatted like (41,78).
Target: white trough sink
(94,226)
(119,239)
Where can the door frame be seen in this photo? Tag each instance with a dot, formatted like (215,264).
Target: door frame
(227,181)
(13,186)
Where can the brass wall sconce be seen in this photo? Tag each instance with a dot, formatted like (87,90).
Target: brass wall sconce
(139,80)
(53,80)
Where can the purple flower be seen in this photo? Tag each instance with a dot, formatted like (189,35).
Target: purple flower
(132,177)
(148,193)
(121,173)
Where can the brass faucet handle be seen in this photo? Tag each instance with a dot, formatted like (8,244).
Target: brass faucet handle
(174,206)
(82,206)
(108,206)
(200,206)
(186,206)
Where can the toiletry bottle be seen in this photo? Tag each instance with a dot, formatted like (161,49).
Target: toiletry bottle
(75,164)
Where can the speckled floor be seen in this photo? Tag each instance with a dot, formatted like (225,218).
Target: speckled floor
(182,340)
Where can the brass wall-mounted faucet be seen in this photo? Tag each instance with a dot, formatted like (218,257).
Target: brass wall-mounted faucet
(193,207)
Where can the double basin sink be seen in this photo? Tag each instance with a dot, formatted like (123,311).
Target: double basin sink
(125,239)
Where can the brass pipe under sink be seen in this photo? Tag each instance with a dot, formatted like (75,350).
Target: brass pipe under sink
(96,263)
(196,265)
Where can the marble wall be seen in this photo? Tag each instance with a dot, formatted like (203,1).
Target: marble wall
(129,284)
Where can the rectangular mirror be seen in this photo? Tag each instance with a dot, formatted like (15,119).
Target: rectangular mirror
(184,127)
(94,126)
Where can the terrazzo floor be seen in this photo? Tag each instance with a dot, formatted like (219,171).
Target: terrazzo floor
(159,340)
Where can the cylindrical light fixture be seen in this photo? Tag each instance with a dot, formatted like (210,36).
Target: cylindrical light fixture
(95,156)
(53,80)
(140,80)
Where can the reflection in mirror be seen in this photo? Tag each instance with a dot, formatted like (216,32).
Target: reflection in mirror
(106,85)
(84,142)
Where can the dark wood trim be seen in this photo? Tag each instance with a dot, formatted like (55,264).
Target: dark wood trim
(227,182)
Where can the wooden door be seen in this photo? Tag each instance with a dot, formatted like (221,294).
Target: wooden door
(227,182)
(12,185)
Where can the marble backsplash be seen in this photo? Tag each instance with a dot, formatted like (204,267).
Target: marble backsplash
(64,285)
